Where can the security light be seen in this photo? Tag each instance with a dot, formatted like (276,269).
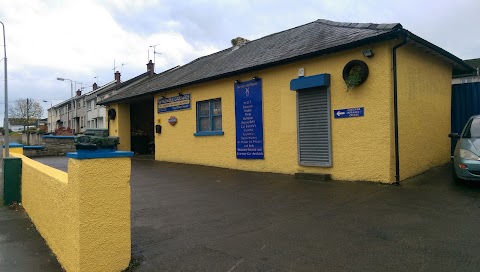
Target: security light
(368,53)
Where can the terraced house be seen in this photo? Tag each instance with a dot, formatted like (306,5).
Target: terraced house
(82,111)
(350,101)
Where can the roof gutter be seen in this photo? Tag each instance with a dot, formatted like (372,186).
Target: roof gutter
(395,105)
(439,50)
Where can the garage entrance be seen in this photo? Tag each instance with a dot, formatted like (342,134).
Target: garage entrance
(142,126)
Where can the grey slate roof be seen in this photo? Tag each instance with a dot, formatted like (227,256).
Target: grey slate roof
(312,39)
(104,88)
(475,63)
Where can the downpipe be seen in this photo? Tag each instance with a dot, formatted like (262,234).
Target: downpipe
(395,107)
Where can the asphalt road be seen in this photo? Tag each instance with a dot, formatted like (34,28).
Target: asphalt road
(195,218)
(22,249)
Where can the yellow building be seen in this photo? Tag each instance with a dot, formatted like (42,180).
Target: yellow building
(341,100)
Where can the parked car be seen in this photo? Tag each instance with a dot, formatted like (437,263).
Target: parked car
(96,138)
(466,157)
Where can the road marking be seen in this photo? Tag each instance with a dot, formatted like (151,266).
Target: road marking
(239,262)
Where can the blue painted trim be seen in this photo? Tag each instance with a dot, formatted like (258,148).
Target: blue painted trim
(98,154)
(210,114)
(197,105)
(14,144)
(208,133)
(34,147)
(58,137)
(321,80)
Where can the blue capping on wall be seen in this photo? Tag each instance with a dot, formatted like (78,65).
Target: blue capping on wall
(208,133)
(58,137)
(14,144)
(98,154)
(27,147)
(321,80)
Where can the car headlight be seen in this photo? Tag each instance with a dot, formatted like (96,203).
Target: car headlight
(468,155)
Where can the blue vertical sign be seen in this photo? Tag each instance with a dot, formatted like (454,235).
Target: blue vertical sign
(249,119)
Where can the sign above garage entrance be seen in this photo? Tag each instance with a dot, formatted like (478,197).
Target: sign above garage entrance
(179,102)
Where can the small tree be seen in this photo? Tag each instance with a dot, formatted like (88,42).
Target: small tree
(26,111)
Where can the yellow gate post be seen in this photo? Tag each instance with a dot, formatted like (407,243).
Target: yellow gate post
(103,180)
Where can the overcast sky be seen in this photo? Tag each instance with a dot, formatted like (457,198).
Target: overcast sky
(81,40)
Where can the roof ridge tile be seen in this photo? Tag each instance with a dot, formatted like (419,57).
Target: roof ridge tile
(384,26)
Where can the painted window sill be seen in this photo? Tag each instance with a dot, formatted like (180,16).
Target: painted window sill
(208,133)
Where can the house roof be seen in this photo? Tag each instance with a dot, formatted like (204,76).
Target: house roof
(114,86)
(108,87)
(317,38)
(475,63)
(103,88)
(119,87)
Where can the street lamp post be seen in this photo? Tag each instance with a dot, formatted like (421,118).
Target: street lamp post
(5,123)
(71,97)
(51,114)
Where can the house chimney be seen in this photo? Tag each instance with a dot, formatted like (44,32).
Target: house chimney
(79,92)
(151,68)
(94,86)
(117,77)
(239,41)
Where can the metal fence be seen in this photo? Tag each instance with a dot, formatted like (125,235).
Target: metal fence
(465,103)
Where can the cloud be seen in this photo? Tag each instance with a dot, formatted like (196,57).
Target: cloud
(80,40)
(130,6)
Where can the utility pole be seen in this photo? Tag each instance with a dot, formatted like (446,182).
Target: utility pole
(5,123)
(26,117)
(27,131)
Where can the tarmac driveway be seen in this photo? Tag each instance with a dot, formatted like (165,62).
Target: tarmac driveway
(195,218)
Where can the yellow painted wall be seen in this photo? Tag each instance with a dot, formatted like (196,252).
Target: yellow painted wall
(424,97)
(121,126)
(17,150)
(361,146)
(84,215)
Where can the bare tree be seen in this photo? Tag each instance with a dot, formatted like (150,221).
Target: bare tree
(26,111)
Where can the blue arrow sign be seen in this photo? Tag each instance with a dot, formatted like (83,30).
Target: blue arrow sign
(347,113)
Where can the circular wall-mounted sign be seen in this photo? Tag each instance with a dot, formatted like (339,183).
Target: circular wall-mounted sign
(355,73)
(172,120)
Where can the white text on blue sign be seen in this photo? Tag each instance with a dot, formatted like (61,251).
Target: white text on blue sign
(347,113)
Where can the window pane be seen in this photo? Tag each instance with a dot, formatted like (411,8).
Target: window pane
(217,107)
(205,124)
(475,128)
(217,123)
(204,108)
